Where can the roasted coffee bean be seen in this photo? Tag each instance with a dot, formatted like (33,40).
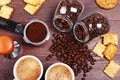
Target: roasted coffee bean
(84,75)
(49,56)
(76,55)
(83,79)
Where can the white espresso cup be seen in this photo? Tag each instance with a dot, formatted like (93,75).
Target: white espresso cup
(28,68)
(59,71)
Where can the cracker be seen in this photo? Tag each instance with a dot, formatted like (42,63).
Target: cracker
(34,2)
(110,38)
(31,9)
(99,49)
(110,51)
(4,2)
(112,69)
(107,4)
(6,11)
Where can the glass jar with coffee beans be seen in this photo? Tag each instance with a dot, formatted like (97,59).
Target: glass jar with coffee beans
(90,27)
(66,14)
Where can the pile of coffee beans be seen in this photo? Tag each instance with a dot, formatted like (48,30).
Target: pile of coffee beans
(68,50)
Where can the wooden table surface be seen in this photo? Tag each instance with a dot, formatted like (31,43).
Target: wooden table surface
(45,13)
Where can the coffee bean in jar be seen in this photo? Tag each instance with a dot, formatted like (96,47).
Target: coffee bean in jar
(90,27)
(67,11)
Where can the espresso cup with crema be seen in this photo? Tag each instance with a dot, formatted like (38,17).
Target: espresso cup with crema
(59,71)
(28,68)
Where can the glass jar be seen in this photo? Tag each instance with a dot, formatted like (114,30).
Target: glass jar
(90,27)
(66,14)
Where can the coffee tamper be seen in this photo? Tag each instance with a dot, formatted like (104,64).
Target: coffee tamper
(8,47)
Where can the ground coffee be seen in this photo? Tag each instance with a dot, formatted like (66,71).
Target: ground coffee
(36,32)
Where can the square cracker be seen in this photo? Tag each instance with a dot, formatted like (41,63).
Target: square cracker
(110,38)
(99,49)
(110,51)
(6,12)
(112,69)
(4,2)
(34,2)
(31,9)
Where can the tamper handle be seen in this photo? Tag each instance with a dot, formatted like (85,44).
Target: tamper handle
(11,26)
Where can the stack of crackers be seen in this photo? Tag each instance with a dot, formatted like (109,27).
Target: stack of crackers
(5,10)
(108,49)
(33,5)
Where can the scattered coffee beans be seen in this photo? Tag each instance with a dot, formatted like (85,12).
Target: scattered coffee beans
(69,51)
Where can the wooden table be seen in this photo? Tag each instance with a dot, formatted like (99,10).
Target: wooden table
(45,13)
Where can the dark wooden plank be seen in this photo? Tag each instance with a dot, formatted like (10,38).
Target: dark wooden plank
(45,13)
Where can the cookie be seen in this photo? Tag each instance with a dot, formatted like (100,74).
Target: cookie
(107,4)
(4,2)
(110,38)
(110,51)
(6,11)
(112,69)
(31,9)
(99,49)
(34,2)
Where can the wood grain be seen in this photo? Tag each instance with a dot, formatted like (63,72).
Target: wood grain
(45,13)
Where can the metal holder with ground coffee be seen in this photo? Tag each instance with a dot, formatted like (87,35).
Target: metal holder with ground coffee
(35,32)
(90,27)
(66,14)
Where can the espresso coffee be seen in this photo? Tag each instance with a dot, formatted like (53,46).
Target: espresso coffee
(28,69)
(36,32)
(59,72)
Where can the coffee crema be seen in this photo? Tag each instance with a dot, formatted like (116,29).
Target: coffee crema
(28,69)
(59,72)
(36,32)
